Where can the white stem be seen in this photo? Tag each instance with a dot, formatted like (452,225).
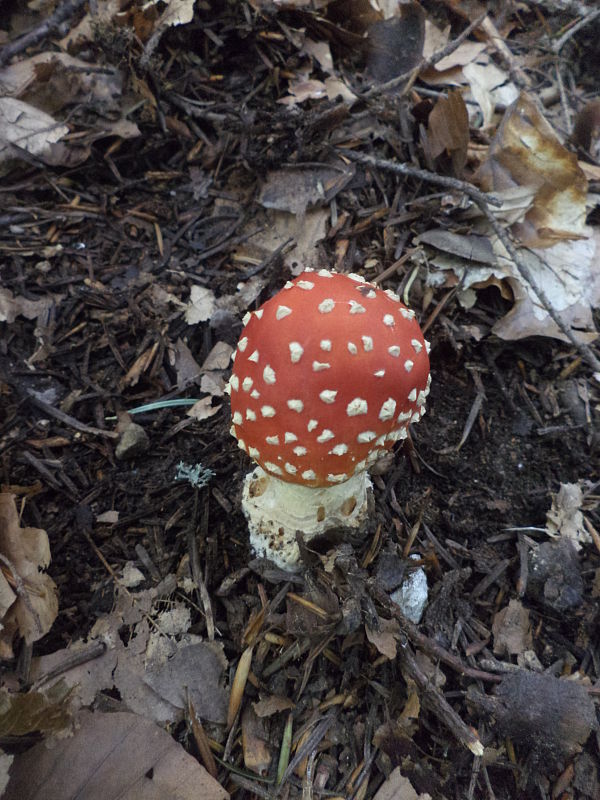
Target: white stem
(275,510)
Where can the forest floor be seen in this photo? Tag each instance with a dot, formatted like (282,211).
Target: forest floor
(130,250)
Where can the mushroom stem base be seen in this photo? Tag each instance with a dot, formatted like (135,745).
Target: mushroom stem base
(275,510)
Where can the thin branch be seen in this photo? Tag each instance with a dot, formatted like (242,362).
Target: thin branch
(412,74)
(484,201)
(43,30)
(453,184)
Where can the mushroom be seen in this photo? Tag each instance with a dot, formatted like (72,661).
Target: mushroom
(328,375)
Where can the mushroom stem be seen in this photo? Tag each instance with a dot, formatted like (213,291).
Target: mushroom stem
(276,510)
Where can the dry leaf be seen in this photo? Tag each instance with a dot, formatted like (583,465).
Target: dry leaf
(27,128)
(49,81)
(397,787)
(203,409)
(35,712)
(395,46)
(385,638)
(255,742)
(274,704)
(525,152)
(564,519)
(448,130)
(218,358)
(512,630)
(118,756)
(201,305)
(296,188)
(29,596)
(11,307)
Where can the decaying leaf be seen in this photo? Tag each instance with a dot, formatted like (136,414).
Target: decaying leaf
(384,639)
(25,128)
(49,81)
(398,787)
(153,673)
(255,742)
(30,712)
(525,152)
(297,188)
(11,307)
(512,630)
(274,704)
(448,131)
(565,519)
(201,306)
(112,756)
(29,596)
(395,45)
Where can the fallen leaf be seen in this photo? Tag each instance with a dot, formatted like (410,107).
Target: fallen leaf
(395,45)
(23,127)
(525,151)
(118,756)
(385,638)
(564,519)
(218,358)
(30,712)
(448,130)
(203,409)
(511,629)
(49,81)
(11,307)
(297,188)
(397,787)
(30,599)
(274,704)
(201,305)
(255,742)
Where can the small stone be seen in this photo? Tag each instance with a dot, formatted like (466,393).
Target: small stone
(133,442)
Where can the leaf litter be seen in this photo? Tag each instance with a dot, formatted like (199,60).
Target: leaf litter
(155,310)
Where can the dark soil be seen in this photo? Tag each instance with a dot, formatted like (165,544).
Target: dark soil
(472,504)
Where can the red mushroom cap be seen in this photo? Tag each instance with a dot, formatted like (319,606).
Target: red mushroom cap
(328,374)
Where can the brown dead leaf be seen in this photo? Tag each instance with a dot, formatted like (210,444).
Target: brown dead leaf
(29,596)
(525,152)
(397,787)
(112,756)
(49,81)
(385,638)
(11,307)
(297,188)
(203,409)
(23,127)
(512,630)
(395,45)
(30,712)
(255,742)
(448,131)
(274,704)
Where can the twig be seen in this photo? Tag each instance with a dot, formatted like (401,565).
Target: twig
(67,419)
(483,201)
(74,659)
(424,643)
(573,6)
(438,703)
(44,29)
(412,74)
(589,17)
(423,175)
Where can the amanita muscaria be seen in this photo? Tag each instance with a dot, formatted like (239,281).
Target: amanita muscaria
(328,375)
